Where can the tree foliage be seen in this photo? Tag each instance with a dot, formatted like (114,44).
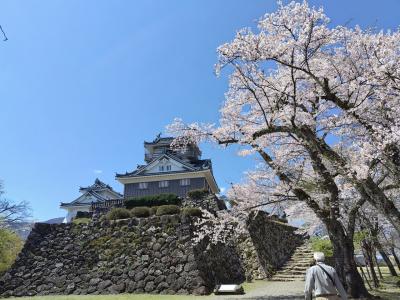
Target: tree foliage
(321,106)
(11,212)
(10,245)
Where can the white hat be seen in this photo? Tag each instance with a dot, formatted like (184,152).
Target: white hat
(319,256)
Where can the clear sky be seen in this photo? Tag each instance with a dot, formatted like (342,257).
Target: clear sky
(84,83)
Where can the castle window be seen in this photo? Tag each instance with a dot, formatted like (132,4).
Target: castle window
(143,185)
(161,168)
(163,184)
(169,168)
(185,181)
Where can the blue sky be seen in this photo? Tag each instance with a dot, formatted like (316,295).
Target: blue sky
(84,83)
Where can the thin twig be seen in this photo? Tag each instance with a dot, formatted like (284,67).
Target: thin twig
(4,34)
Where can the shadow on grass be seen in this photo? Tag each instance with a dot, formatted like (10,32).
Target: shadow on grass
(389,286)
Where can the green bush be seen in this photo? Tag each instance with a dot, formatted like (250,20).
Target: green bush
(153,200)
(140,212)
(118,213)
(358,237)
(198,194)
(153,210)
(192,212)
(168,210)
(81,221)
(83,214)
(322,245)
(10,245)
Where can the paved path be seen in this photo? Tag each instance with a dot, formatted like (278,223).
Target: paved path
(271,290)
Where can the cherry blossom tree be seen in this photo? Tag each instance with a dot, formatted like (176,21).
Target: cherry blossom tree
(320,106)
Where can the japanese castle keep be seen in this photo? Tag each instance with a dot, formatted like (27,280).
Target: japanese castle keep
(167,171)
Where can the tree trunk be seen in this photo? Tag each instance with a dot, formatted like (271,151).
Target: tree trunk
(365,277)
(367,268)
(369,261)
(345,265)
(387,261)
(378,199)
(396,259)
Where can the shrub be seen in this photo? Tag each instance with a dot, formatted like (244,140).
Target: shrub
(168,210)
(192,212)
(153,210)
(197,194)
(118,213)
(322,245)
(83,214)
(81,221)
(140,212)
(153,200)
(10,245)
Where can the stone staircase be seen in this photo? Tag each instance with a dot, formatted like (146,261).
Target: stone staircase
(295,268)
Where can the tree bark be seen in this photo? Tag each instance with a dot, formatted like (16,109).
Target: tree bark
(369,261)
(365,277)
(345,265)
(396,259)
(388,262)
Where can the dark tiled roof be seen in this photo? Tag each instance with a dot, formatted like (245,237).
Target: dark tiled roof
(98,185)
(73,204)
(159,139)
(91,194)
(194,166)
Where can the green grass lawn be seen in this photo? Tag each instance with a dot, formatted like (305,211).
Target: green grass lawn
(247,287)
(116,297)
(389,288)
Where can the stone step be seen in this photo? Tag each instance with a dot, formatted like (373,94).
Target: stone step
(288,277)
(291,272)
(296,256)
(285,279)
(295,268)
(304,260)
(297,264)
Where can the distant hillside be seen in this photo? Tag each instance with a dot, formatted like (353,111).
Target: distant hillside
(24,228)
(54,221)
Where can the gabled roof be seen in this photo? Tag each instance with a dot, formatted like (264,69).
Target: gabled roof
(198,165)
(92,194)
(97,186)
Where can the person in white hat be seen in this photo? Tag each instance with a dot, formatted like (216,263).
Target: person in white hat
(324,281)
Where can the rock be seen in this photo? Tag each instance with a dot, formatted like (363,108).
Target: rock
(104,284)
(139,276)
(150,286)
(94,281)
(156,246)
(117,288)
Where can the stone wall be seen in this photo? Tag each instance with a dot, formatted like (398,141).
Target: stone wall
(149,255)
(209,202)
(153,255)
(267,246)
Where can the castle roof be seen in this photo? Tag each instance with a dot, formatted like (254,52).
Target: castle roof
(193,166)
(93,193)
(159,139)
